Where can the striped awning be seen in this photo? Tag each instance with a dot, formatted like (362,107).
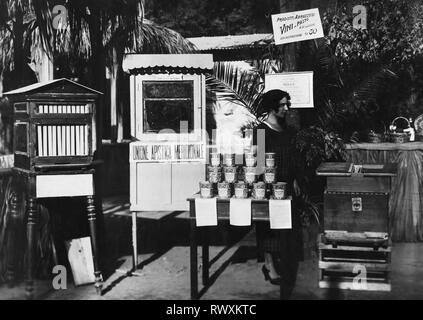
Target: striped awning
(167,63)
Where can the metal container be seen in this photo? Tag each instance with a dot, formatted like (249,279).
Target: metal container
(250,160)
(269,158)
(230,174)
(279,190)
(241,190)
(223,190)
(215,174)
(259,190)
(229,159)
(270,174)
(206,189)
(215,159)
(250,174)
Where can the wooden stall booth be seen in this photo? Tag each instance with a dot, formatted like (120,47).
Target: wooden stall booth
(356,235)
(55,141)
(168,104)
(168,112)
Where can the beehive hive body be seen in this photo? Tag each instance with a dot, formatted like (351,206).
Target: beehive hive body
(54,125)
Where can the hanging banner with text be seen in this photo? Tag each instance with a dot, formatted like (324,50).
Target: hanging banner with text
(299,85)
(297,26)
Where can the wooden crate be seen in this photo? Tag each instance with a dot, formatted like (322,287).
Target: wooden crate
(354,267)
(374,240)
(357,183)
(356,211)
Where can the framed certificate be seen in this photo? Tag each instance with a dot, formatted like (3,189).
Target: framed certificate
(299,85)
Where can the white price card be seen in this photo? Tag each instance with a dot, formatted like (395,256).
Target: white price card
(280,214)
(205,212)
(297,26)
(240,212)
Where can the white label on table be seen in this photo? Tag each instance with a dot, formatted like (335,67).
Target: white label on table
(66,185)
(280,214)
(205,212)
(240,212)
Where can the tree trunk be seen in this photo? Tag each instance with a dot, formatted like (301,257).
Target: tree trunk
(18,52)
(98,63)
(289,50)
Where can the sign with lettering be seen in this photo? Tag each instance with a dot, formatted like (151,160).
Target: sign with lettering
(166,151)
(299,85)
(297,26)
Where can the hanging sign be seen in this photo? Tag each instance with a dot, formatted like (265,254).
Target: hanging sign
(299,85)
(297,26)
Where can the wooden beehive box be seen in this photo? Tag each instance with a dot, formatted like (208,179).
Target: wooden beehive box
(54,125)
(356,199)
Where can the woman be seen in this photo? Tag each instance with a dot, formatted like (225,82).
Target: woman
(278,139)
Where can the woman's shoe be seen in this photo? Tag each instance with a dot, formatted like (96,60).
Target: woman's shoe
(266,272)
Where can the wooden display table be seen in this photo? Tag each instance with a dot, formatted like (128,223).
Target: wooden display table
(259,212)
(406,194)
(41,185)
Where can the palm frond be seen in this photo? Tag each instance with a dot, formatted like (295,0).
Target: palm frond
(373,86)
(267,66)
(43,21)
(159,39)
(6,51)
(242,87)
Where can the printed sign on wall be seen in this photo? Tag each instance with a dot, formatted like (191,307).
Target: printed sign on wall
(299,85)
(297,26)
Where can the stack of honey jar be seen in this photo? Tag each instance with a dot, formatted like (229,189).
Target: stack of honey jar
(226,179)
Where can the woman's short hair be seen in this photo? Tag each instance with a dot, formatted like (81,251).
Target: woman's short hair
(270,99)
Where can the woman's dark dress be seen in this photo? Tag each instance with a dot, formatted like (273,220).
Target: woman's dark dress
(269,240)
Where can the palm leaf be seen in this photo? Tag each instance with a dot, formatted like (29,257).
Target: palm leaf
(242,87)
(159,39)
(371,88)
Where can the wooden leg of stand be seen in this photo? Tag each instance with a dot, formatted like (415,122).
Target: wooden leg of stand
(134,242)
(194,261)
(205,256)
(13,232)
(93,232)
(31,230)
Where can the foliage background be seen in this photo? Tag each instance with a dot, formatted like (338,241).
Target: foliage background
(196,18)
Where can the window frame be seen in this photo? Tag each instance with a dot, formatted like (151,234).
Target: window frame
(198,108)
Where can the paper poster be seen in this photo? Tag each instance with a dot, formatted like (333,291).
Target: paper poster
(205,212)
(280,214)
(297,26)
(299,85)
(81,260)
(240,212)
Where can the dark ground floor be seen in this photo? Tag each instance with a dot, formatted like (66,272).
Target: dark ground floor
(163,240)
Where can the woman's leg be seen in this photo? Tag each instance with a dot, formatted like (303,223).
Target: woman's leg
(265,250)
(288,261)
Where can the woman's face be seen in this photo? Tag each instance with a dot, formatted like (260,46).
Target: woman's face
(283,108)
